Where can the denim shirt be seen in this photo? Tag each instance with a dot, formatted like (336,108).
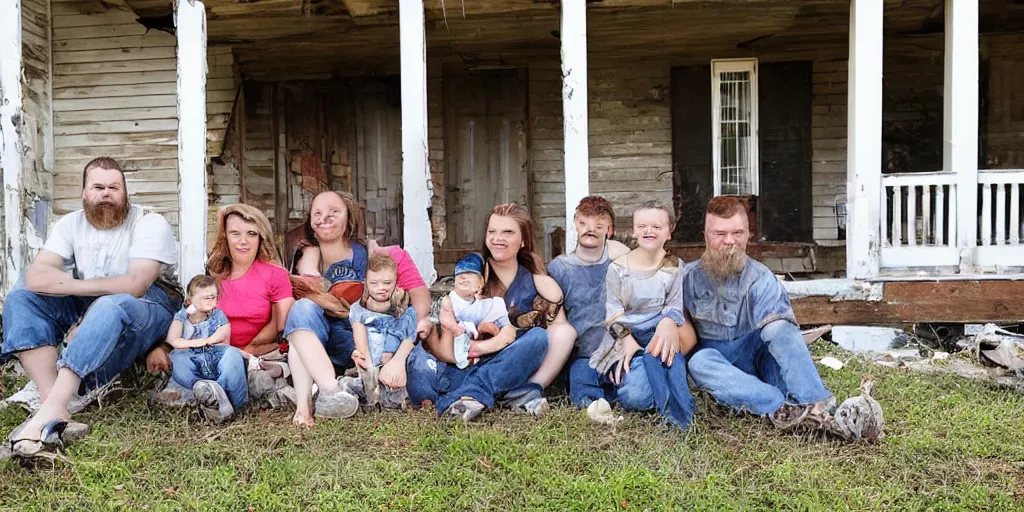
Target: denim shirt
(743,303)
(204,329)
(583,285)
(384,332)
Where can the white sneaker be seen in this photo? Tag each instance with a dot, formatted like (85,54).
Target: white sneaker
(338,405)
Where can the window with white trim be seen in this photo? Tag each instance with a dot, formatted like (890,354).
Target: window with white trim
(734,126)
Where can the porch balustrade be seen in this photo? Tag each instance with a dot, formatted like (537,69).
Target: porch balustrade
(999,214)
(919,225)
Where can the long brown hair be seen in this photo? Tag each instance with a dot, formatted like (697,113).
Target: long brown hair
(219,263)
(526,257)
(355,229)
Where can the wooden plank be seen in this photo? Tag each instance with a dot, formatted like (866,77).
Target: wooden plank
(93,140)
(125,66)
(192,97)
(112,17)
(110,127)
(115,55)
(151,88)
(86,116)
(921,302)
(104,79)
(152,39)
(102,31)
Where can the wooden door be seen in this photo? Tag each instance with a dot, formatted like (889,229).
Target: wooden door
(485,131)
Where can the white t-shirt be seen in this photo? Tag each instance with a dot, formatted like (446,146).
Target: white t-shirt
(102,253)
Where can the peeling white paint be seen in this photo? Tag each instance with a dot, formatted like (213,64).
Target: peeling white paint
(416,186)
(190,21)
(10,139)
(576,156)
(864,139)
(960,121)
(835,289)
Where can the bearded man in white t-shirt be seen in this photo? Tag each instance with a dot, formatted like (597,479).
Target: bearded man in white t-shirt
(117,301)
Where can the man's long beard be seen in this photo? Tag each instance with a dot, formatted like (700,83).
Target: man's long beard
(105,215)
(724,263)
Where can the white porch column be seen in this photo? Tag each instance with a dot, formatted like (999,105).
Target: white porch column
(960,121)
(576,157)
(864,140)
(416,194)
(190,21)
(10,140)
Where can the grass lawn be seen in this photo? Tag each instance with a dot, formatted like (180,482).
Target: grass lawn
(951,444)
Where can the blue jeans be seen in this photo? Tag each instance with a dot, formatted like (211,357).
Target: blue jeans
(117,329)
(507,370)
(221,363)
(586,386)
(759,371)
(635,393)
(334,333)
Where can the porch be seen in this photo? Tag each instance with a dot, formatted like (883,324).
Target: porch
(431,114)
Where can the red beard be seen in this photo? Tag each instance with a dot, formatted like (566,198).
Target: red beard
(105,215)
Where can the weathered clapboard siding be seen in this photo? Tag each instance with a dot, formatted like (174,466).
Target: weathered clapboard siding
(828,145)
(114,93)
(545,124)
(37,118)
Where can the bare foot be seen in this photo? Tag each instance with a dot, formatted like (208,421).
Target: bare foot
(303,420)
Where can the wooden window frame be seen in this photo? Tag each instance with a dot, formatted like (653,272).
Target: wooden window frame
(719,66)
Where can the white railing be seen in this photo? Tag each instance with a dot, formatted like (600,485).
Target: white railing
(1000,233)
(918,220)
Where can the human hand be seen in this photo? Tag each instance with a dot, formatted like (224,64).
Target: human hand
(158,360)
(629,347)
(360,359)
(665,344)
(423,328)
(392,374)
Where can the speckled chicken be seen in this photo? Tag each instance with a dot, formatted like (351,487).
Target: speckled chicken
(860,417)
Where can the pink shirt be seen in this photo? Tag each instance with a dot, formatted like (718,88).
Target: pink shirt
(408,275)
(247,301)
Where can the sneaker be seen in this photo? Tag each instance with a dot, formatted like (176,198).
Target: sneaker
(789,416)
(286,394)
(213,401)
(600,411)
(173,395)
(338,405)
(465,409)
(261,385)
(537,407)
(371,384)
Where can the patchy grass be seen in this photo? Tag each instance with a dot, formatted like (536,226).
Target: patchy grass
(951,444)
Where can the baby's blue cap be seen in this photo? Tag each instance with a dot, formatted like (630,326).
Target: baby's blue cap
(471,262)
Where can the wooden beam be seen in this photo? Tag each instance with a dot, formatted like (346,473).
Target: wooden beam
(10,141)
(960,121)
(920,302)
(281,194)
(240,127)
(575,122)
(416,194)
(190,22)
(864,139)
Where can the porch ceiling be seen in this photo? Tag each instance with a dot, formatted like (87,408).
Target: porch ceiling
(313,38)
